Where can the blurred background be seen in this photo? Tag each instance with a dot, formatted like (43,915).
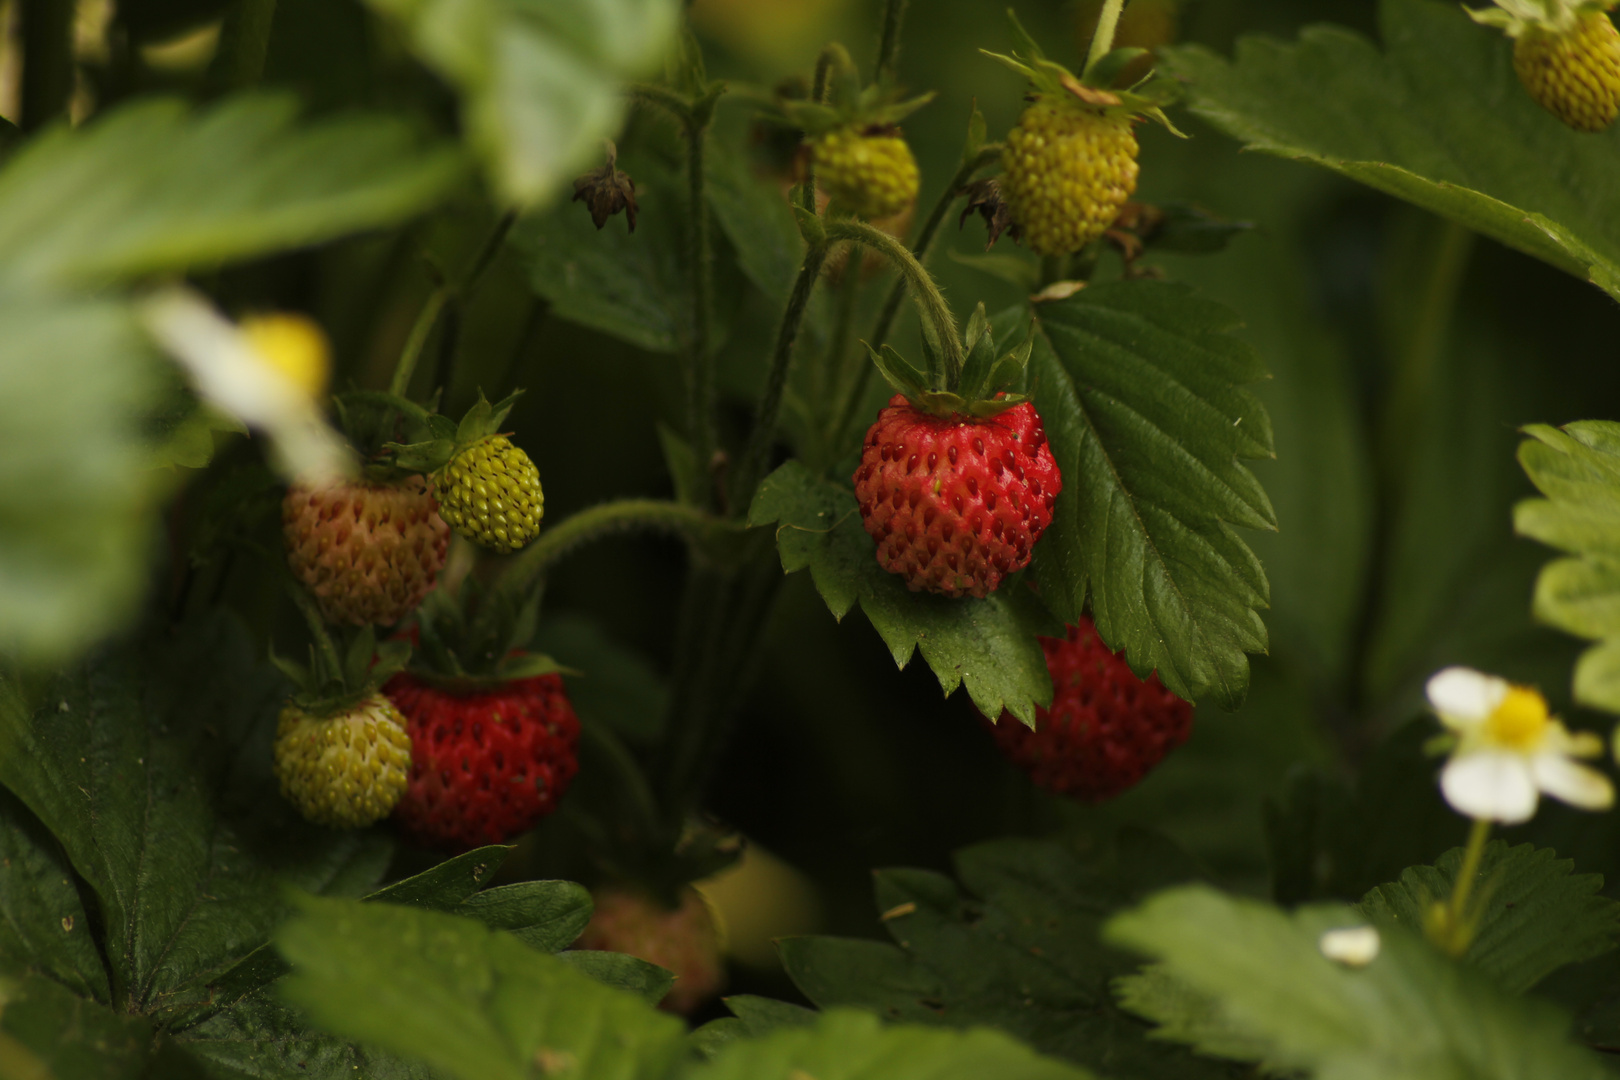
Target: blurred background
(1395,554)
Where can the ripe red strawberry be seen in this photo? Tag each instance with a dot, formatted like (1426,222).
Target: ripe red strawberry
(956,502)
(1106,728)
(485,764)
(682,940)
(368,553)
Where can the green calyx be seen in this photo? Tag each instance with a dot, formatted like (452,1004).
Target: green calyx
(436,440)
(471,639)
(985,386)
(373,420)
(335,681)
(1517,17)
(1093,90)
(874,108)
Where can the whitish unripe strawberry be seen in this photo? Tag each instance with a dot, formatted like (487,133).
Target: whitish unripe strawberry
(368,553)
(868,172)
(1066,170)
(345,769)
(490,493)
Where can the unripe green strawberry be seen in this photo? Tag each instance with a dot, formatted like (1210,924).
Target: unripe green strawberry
(368,553)
(869,172)
(347,769)
(1573,74)
(1068,167)
(490,493)
(684,940)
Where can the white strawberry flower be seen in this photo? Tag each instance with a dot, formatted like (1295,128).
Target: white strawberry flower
(1352,946)
(1510,750)
(270,375)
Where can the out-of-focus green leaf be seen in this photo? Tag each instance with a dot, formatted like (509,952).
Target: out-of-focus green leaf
(1437,118)
(848,1045)
(73,1037)
(646,980)
(158,186)
(76,497)
(469,1001)
(987,645)
(151,767)
(1014,947)
(632,286)
(1141,387)
(752,1017)
(259,1038)
(541,83)
(1536,915)
(1577,468)
(1250,979)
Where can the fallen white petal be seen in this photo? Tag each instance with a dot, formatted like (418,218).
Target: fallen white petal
(1493,785)
(1464,697)
(1579,785)
(1353,946)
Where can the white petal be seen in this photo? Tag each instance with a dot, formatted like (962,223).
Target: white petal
(1352,946)
(1464,697)
(1494,785)
(1574,783)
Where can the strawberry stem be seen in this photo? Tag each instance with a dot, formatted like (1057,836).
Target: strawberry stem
(244,41)
(894,14)
(1107,22)
(925,293)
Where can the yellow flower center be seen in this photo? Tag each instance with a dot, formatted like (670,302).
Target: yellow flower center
(1520,721)
(293,345)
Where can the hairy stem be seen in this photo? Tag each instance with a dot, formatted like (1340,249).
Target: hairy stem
(662,97)
(408,356)
(47,70)
(1107,22)
(606,519)
(894,14)
(452,293)
(925,293)
(1458,924)
(317,628)
(763,435)
(700,256)
(850,401)
(244,41)
(818,93)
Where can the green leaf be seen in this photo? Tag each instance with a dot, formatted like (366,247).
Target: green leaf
(1536,914)
(151,767)
(1577,468)
(847,1045)
(157,186)
(469,1001)
(76,1039)
(631,286)
(622,971)
(259,1038)
(540,84)
(1252,976)
(42,919)
(987,645)
(752,1017)
(1141,389)
(1014,947)
(77,501)
(1436,118)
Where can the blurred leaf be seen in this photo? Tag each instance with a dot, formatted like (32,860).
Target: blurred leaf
(151,767)
(42,920)
(76,499)
(544,915)
(622,971)
(259,1038)
(1014,947)
(541,84)
(756,216)
(847,1045)
(1140,386)
(632,286)
(1438,118)
(469,1001)
(158,186)
(752,1017)
(987,645)
(75,1038)
(1251,978)
(1578,469)
(1536,916)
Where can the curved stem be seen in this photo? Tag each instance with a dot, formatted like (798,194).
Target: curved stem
(317,628)
(605,519)
(851,400)
(925,294)
(408,356)
(894,14)
(663,98)
(754,458)
(1107,23)
(829,55)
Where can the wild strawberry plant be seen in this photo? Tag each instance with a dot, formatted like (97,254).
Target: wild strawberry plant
(408,665)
